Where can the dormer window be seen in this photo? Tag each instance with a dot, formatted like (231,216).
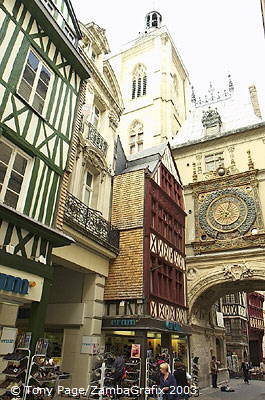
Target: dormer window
(69,34)
(48,5)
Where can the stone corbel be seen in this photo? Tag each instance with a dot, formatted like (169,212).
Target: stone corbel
(113,120)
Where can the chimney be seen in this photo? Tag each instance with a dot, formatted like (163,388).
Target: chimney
(254,100)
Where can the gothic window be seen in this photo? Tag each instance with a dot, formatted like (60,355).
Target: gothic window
(136,138)
(139,82)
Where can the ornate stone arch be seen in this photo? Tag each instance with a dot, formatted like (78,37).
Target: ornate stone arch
(139,81)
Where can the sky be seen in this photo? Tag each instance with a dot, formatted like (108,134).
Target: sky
(213,37)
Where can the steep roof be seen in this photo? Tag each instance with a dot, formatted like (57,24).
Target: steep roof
(235,110)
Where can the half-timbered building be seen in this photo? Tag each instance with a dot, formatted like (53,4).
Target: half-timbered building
(145,293)
(41,70)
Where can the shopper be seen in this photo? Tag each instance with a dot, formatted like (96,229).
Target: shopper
(214,371)
(245,368)
(180,375)
(167,383)
(118,370)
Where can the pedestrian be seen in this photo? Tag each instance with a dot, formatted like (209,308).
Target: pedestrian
(180,375)
(167,383)
(118,371)
(214,371)
(245,368)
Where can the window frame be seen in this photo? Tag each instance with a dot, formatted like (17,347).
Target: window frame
(35,83)
(91,188)
(215,160)
(26,176)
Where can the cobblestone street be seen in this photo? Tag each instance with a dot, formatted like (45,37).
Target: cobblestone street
(254,391)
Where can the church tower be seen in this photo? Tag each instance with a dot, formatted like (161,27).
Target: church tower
(154,84)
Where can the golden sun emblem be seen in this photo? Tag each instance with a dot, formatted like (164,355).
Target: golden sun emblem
(226,213)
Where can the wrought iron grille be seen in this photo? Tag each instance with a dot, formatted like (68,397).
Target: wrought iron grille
(90,222)
(96,139)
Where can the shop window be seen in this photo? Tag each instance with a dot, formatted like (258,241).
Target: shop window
(136,137)
(213,161)
(35,82)
(14,169)
(139,81)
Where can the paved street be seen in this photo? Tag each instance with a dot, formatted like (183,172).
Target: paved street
(254,391)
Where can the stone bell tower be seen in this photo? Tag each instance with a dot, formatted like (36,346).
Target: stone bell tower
(154,84)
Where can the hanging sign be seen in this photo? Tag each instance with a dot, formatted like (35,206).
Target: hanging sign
(136,351)
(8,340)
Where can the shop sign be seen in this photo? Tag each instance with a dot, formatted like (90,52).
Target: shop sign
(123,322)
(173,326)
(90,345)
(8,339)
(13,284)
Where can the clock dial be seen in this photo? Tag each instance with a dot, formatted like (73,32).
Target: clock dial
(227,212)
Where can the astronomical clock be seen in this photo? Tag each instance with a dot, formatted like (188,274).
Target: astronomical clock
(228,213)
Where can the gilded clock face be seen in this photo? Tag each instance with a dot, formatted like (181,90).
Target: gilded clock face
(229,211)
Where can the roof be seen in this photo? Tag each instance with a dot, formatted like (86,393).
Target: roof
(236,111)
(146,159)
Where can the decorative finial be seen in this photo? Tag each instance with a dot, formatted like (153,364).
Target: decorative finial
(193,97)
(230,84)
(194,175)
(250,162)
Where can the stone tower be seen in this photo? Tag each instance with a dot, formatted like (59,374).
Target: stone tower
(154,83)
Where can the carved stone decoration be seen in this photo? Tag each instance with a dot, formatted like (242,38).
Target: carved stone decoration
(211,118)
(113,120)
(191,274)
(225,211)
(237,272)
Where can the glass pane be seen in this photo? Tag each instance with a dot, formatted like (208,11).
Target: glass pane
(24,90)
(29,75)
(38,103)
(87,197)
(45,75)
(33,61)
(15,182)
(89,179)
(5,152)
(3,169)
(42,89)
(11,199)
(20,164)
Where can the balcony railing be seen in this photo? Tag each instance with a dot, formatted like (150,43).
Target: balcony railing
(90,222)
(96,139)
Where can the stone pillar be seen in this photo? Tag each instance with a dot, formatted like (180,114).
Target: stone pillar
(8,317)
(79,365)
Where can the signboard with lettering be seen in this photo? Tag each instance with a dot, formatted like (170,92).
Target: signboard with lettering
(123,322)
(173,326)
(10,283)
(8,340)
(90,345)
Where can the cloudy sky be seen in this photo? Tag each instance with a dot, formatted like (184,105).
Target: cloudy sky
(213,37)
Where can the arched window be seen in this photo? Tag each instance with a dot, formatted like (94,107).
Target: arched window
(139,81)
(136,137)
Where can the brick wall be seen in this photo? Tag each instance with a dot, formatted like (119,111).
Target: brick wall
(125,278)
(128,200)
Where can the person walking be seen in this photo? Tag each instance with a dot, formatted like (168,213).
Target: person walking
(245,368)
(214,371)
(180,375)
(167,383)
(118,369)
